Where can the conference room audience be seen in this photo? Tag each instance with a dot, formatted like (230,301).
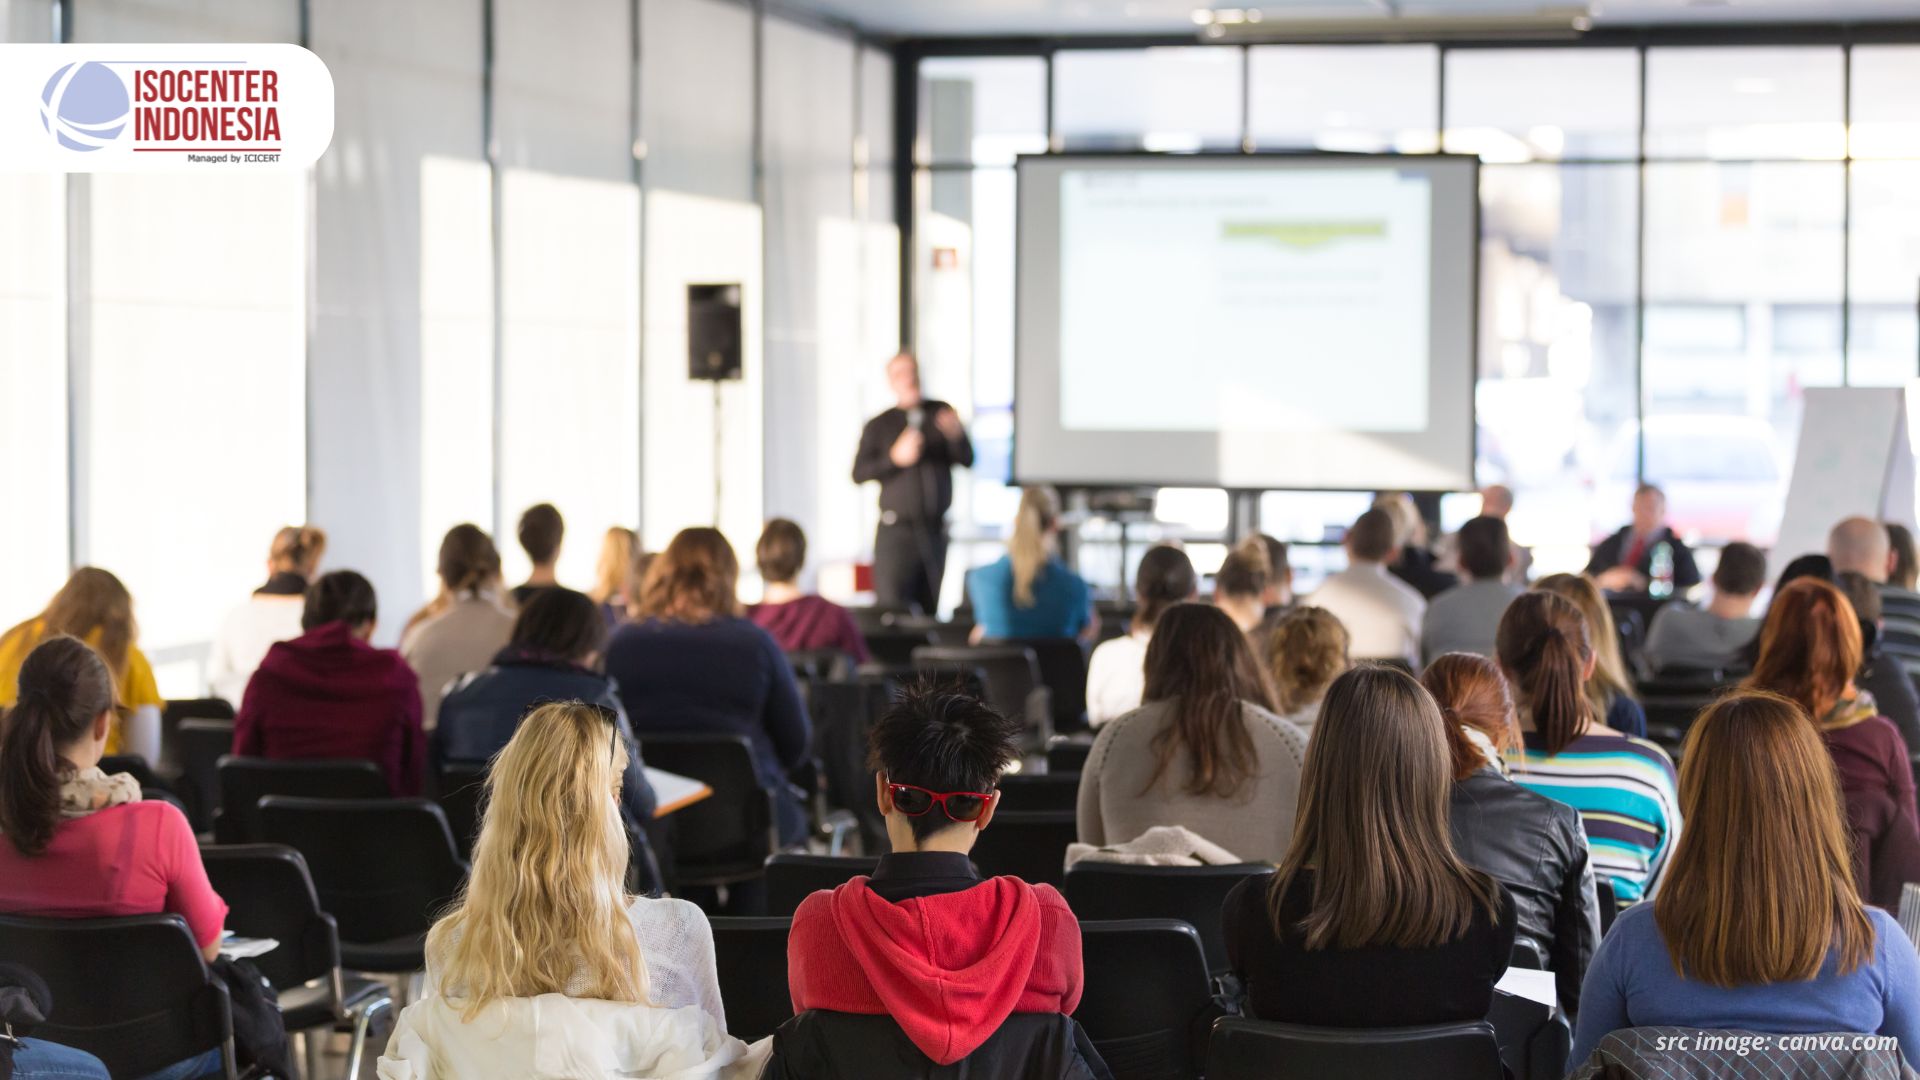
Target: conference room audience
(1413,561)
(1611,688)
(1464,618)
(796,619)
(271,614)
(1306,652)
(1810,649)
(1533,845)
(96,608)
(1029,592)
(947,954)
(553,655)
(692,663)
(1712,637)
(1372,920)
(1759,927)
(1902,603)
(545,966)
(1205,751)
(540,533)
(611,572)
(1496,501)
(1881,675)
(1382,614)
(80,844)
(1240,585)
(461,628)
(1623,562)
(1116,672)
(1623,786)
(330,694)
(1864,546)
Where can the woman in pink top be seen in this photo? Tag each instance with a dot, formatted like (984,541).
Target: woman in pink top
(78,843)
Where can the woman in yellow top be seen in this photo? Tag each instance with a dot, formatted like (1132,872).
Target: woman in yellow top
(96,608)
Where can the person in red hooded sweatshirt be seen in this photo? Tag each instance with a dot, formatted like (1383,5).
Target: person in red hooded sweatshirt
(330,694)
(947,954)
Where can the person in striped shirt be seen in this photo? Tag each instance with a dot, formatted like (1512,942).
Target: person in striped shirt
(1624,787)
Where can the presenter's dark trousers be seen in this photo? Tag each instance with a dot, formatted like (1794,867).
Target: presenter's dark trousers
(909,559)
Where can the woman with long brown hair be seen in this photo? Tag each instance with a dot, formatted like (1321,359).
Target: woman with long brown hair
(1611,687)
(1810,648)
(1206,750)
(692,663)
(1532,844)
(96,608)
(1759,927)
(465,624)
(1116,671)
(1372,920)
(1623,787)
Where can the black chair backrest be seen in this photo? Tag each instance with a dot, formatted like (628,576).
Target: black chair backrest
(1039,791)
(1608,903)
(751,955)
(1028,844)
(728,836)
(823,1045)
(792,878)
(871,618)
(820,665)
(244,781)
(895,646)
(842,714)
(198,747)
(269,894)
(1526,955)
(1063,671)
(177,712)
(1068,753)
(461,787)
(956,631)
(1148,1000)
(131,991)
(383,868)
(1260,1050)
(135,766)
(1012,671)
(1191,894)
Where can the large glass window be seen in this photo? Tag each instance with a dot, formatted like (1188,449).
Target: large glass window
(1884,117)
(1362,98)
(981,111)
(1184,98)
(33,390)
(1883,278)
(1579,103)
(1744,103)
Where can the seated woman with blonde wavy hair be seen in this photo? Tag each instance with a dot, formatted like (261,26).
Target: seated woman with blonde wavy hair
(545,967)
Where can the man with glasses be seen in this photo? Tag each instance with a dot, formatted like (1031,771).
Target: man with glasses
(947,954)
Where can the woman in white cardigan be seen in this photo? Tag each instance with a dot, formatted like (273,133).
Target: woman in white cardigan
(1116,675)
(545,968)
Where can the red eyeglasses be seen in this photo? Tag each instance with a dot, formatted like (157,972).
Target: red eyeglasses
(957,805)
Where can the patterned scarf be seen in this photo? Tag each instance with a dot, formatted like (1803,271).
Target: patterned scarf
(89,789)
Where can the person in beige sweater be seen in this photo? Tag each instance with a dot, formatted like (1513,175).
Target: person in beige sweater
(1206,750)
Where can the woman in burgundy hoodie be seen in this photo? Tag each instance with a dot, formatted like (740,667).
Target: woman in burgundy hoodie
(947,954)
(329,694)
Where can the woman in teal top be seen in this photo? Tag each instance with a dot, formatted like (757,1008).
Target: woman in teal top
(1029,592)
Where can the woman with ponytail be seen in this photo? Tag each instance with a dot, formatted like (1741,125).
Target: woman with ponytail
(96,608)
(1624,787)
(1029,592)
(462,627)
(78,843)
(693,663)
(1116,674)
(1206,750)
(271,614)
(1532,844)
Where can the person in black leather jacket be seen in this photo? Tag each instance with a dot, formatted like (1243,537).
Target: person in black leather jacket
(1535,846)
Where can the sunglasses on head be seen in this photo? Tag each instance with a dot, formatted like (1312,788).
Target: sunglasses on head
(957,805)
(613,723)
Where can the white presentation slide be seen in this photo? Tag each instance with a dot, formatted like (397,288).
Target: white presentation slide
(1246,321)
(1273,294)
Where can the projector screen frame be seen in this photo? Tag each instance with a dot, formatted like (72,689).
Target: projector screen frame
(1470,161)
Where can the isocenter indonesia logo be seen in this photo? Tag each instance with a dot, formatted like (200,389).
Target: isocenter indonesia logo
(165,108)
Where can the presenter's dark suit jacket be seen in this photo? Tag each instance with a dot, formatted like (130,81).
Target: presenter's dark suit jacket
(1608,553)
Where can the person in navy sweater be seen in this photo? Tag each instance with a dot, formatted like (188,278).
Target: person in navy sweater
(693,664)
(1767,934)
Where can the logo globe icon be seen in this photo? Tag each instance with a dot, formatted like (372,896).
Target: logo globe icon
(85,106)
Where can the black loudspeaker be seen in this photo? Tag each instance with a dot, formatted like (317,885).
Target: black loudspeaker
(713,332)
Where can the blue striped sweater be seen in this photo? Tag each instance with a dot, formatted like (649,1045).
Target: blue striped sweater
(1627,796)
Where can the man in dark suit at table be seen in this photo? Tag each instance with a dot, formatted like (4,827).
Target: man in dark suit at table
(911,450)
(1623,562)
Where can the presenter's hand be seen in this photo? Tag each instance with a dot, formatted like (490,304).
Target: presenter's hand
(1621,579)
(906,449)
(949,424)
